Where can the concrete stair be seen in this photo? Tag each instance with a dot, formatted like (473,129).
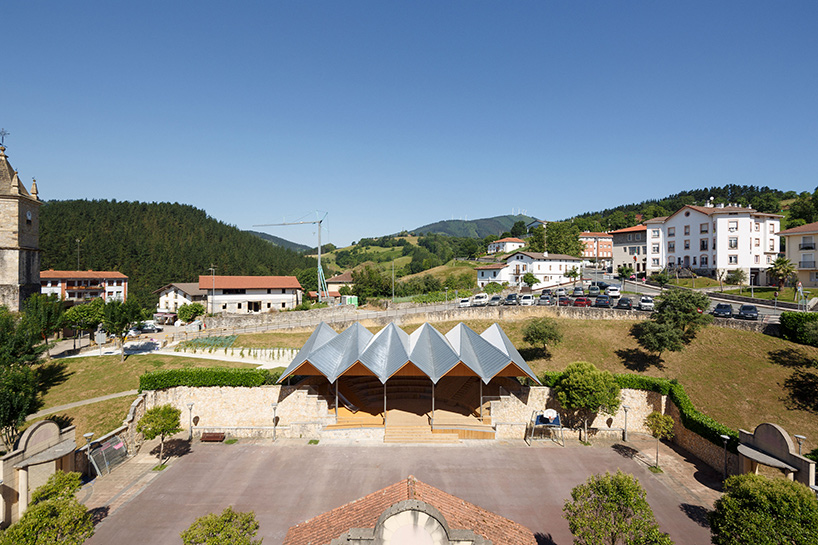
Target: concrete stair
(417,435)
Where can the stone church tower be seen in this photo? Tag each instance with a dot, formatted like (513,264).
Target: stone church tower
(19,237)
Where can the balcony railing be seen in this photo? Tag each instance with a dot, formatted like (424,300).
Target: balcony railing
(806,264)
(807,246)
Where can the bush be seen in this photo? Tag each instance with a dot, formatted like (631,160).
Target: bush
(206,376)
(793,326)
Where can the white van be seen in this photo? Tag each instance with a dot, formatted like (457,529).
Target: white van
(480,300)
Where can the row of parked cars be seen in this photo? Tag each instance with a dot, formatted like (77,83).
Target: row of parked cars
(745,312)
(560,296)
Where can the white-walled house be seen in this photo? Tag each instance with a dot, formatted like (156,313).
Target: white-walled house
(801,252)
(550,269)
(250,294)
(173,296)
(81,285)
(714,238)
(505,245)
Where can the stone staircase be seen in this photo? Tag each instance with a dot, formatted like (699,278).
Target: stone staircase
(417,435)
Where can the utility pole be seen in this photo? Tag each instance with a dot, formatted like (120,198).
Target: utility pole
(78,254)
(212,270)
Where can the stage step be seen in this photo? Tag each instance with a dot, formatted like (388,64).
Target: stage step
(417,434)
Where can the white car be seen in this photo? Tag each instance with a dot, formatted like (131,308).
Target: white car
(560,292)
(612,291)
(646,303)
(464,303)
(527,300)
(480,300)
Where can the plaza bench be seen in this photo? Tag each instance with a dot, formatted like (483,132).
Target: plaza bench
(213,437)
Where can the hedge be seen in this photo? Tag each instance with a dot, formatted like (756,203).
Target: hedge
(792,325)
(201,377)
(692,418)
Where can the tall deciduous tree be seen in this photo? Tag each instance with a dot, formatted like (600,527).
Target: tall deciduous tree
(18,399)
(658,337)
(536,240)
(612,510)
(683,309)
(563,238)
(518,229)
(44,315)
(756,510)
(229,528)
(587,390)
(160,422)
(118,318)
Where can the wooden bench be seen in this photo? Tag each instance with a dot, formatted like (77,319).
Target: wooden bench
(213,437)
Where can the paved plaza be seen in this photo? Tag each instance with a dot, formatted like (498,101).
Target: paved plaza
(290,481)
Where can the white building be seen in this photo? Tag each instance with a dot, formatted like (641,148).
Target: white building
(81,285)
(250,294)
(550,269)
(505,245)
(173,296)
(597,247)
(714,239)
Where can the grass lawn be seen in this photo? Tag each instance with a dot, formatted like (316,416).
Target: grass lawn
(700,282)
(786,295)
(75,379)
(99,418)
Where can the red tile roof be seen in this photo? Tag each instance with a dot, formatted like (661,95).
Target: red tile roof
(206,282)
(633,229)
(587,234)
(314,294)
(364,513)
(51,274)
(512,239)
(808,228)
(492,266)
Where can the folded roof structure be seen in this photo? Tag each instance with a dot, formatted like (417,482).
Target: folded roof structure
(390,352)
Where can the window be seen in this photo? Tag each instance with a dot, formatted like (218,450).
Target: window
(694,260)
(655,262)
(630,237)
(732,259)
(807,243)
(671,231)
(269,305)
(224,306)
(757,242)
(703,245)
(732,226)
(758,226)
(238,306)
(732,243)
(772,245)
(703,228)
(769,259)
(283,305)
(703,261)
(757,259)
(654,233)
(239,291)
(687,230)
(638,236)
(269,291)
(671,246)
(687,244)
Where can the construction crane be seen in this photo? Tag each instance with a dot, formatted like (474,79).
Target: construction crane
(323,292)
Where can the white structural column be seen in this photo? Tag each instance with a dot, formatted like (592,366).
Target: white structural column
(336,400)
(22,491)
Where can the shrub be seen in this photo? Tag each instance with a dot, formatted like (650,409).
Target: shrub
(793,326)
(206,376)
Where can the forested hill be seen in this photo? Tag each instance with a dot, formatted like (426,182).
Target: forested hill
(278,241)
(155,244)
(479,228)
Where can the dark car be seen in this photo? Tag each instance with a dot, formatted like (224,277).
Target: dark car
(564,302)
(547,291)
(511,299)
(601,285)
(583,302)
(603,301)
(578,292)
(723,310)
(624,303)
(495,300)
(748,312)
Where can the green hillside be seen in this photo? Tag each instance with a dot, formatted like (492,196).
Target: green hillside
(278,241)
(479,228)
(155,244)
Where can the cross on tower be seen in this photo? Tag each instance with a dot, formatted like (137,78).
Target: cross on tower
(3,134)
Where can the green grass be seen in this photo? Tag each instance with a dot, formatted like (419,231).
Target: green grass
(700,282)
(312,442)
(230,441)
(786,295)
(100,418)
(655,469)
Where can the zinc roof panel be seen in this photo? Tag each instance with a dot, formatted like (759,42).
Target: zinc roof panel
(322,334)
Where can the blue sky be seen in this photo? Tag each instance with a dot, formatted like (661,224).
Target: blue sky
(391,115)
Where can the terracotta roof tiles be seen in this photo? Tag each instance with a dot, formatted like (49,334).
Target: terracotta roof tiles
(51,274)
(808,228)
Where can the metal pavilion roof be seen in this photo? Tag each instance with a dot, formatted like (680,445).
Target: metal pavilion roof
(357,351)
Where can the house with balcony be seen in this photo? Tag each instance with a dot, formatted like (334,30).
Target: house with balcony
(800,250)
(630,248)
(549,269)
(714,239)
(598,247)
(505,245)
(250,294)
(78,286)
(173,296)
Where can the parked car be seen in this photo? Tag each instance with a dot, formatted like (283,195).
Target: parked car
(646,303)
(612,291)
(593,291)
(511,299)
(603,301)
(601,285)
(578,292)
(564,301)
(464,303)
(527,300)
(495,301)
(480,300)
(134,332)
(624,303)
(545,300)
(547,291)
(583,302)
(723,310)
(748,312)
(560,292)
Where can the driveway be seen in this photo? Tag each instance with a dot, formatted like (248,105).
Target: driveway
(288,483)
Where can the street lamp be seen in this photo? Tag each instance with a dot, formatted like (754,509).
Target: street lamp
(725,438)
(800,439)
(625,407)
(190,422)
(88,437)
(275,407)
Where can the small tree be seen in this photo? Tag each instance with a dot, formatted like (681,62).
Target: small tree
(781,269)
(737,277)
(529,279)
(661,278)
(587,390)
(761,511)
(624,271)
(117,319)
(43,313)
(684,310)
(573,274)
(85,317)
(661,427)
(54,515)
(492,287)
(18,399)
(160,422)
(188,313)
(229,528)
(612,510)
(542,332)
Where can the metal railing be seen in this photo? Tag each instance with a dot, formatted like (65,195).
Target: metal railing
(806,264)
(806,246)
